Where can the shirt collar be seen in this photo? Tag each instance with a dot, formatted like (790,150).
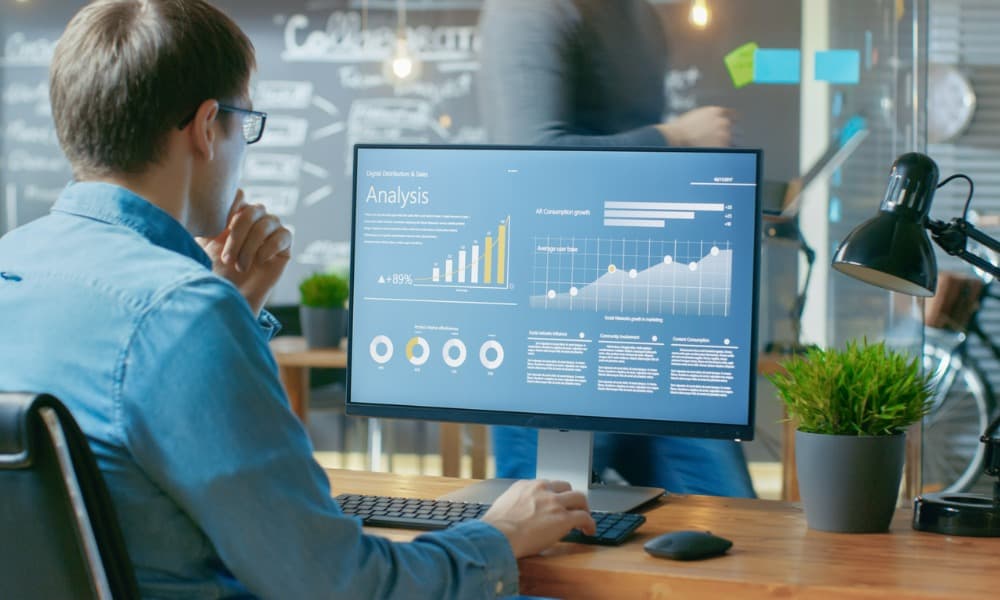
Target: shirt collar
(118,206)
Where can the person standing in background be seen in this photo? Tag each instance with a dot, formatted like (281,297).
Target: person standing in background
(590,73)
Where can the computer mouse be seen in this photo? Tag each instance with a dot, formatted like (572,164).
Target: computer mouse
(687,545)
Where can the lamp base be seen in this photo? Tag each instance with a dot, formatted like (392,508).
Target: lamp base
(957,514)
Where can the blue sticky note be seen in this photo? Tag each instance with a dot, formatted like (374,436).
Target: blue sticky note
(776,65)
(838,66)
(835,210)
(837,104)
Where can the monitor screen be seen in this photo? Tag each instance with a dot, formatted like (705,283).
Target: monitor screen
(564,288)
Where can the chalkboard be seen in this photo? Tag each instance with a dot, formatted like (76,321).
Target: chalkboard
(321,81)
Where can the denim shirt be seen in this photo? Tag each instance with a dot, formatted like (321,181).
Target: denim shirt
(111,306)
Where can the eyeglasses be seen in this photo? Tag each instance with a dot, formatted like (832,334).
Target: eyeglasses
(252,125)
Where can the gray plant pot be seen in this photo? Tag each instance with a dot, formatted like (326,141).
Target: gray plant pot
(849,483)
(323,327)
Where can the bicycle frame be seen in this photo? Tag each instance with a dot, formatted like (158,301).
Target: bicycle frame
(947,353)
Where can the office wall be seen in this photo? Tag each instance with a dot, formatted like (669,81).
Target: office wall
(321,80)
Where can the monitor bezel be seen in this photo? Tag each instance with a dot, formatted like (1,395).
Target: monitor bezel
(739,431)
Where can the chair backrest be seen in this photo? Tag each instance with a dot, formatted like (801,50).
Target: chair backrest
(59,535)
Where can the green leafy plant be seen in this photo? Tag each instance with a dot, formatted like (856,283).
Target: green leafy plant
(324,290)
(866,389)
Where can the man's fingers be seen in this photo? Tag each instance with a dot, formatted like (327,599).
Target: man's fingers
(204,242)
(258,234)
(238,203)
(581,519)
(559,486)
(572,500)
(278,244)
(239,227)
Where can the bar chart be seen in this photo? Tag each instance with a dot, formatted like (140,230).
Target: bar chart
(632,276)
(482,263)
(657,215)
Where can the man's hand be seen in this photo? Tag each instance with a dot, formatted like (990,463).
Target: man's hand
(252,252)
(705,126)
(536,514)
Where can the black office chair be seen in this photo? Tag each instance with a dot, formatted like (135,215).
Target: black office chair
(59,536)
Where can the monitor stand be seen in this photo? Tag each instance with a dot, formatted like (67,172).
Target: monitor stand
(565,456)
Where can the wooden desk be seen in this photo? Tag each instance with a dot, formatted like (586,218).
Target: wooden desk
(774,554)
(295,359)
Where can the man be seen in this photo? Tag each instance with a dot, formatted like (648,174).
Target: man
(138,302)
(590,73)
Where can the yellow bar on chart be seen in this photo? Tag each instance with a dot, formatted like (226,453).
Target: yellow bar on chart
(488,261)
(501,252)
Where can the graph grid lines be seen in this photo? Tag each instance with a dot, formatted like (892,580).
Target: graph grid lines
(632,276)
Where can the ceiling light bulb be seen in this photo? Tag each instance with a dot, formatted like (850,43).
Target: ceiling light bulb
(700,14)
(401,65)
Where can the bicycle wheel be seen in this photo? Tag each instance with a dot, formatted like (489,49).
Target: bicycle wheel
(962,404)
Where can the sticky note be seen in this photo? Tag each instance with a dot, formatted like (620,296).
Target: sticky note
(739,63)
(776,65)
(838,66)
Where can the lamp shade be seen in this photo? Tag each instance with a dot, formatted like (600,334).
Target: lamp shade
(892,250)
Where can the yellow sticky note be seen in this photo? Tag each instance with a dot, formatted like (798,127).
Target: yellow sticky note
(739,63)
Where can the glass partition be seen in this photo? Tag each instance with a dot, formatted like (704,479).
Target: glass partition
(832,90)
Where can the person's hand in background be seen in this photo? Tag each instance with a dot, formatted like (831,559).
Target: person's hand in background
(251,252)
(709,126)
(538,513)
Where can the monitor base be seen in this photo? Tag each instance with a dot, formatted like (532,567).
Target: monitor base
(606,498)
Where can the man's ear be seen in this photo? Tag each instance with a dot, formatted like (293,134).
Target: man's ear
(202,131)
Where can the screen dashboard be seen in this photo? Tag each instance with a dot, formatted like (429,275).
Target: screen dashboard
(603,287)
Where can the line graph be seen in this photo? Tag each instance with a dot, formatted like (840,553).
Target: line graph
(632,276)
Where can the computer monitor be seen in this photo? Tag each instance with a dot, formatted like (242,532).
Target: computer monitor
(572,290)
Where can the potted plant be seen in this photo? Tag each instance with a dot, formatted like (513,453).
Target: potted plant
(852,407)
(322,309)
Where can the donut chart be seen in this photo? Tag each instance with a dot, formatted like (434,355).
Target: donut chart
(484,352)
(454,353)
(381,349)
(415,358)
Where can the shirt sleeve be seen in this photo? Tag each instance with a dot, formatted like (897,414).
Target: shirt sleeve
(206,419)
(269,324)
(527,77)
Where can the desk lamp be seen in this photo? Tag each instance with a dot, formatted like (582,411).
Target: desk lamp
(893,251)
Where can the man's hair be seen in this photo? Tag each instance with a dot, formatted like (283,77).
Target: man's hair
(126,72)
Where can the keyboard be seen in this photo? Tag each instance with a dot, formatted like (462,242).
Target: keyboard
(414,513)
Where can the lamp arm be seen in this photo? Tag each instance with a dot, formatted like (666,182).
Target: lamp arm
(800,301)
(952,236)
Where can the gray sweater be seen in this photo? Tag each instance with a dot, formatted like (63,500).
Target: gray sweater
(572,72)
